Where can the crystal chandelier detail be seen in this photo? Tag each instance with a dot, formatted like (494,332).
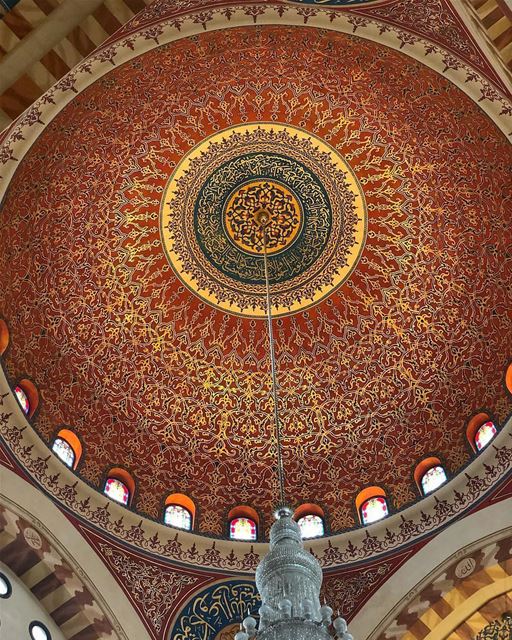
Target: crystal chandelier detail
(288,578)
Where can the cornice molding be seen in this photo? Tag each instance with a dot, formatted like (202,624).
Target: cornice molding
(17,139)
(432,513)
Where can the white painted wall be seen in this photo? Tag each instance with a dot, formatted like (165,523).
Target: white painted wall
(20,609)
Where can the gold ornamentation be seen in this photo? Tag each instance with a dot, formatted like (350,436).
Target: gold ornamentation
(321,249)
(241,219)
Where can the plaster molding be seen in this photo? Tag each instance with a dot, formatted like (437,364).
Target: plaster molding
(424,518)
(18,139)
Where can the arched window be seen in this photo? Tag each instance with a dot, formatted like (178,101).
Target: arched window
(374,509)
(63,450)
(242,529)
(27,396)
(4,336)
(119,486)
(480,431)
(311,526)
(429,475)
(372,505)
(67,447)
(310,518)
(117,490)
(177,516)
(243,523)
(179,511)
(22,399)
(433,478)
(485,434)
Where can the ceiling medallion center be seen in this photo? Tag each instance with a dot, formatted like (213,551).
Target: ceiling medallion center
(213,235)
(259,204)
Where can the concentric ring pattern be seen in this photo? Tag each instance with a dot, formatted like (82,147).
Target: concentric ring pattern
(131,287)
(317,219)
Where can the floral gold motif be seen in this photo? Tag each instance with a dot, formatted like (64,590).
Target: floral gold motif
(243,227)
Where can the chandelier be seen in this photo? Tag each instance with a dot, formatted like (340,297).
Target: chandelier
(288,578)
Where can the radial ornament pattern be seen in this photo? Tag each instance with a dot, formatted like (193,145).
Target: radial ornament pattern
(317,219)
(123,309)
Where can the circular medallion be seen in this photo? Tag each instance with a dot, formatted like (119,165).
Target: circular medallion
(247,205)
(211,227)
(33,538)
(465,568)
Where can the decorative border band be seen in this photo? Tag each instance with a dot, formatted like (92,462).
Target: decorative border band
(20,136)
(424,518)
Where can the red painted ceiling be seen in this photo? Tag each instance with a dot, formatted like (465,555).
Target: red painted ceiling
(381,374)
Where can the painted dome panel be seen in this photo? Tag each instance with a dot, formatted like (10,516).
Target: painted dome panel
(378,366)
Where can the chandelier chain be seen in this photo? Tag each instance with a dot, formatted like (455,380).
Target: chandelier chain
(273,367)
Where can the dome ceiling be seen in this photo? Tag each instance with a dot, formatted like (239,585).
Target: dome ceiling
(133,285)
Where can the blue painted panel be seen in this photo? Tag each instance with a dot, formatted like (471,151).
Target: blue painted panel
(213,609)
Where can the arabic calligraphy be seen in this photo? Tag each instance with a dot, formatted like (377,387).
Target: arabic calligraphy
(211,614)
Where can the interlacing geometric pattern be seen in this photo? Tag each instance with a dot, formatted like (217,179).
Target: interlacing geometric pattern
(413,342)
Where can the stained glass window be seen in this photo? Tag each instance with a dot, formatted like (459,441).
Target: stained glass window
(64,451)
(22,399)
(311,526)
(177,516)
(242,529)
(432,479)
(117,490)
(485,434)
(374,509)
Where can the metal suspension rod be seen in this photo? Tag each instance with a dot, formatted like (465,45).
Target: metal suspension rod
(280,467)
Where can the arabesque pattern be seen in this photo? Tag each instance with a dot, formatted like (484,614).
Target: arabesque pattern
(380,374)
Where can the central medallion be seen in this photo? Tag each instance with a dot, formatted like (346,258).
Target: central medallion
(212,234)
(242,223)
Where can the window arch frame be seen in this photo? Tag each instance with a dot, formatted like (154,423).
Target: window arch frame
(244,511)
(183,501)
(508,378)
(32,394)
(474,424)
(422,468)
(367,494)
(122,475)
(73,441)
(310,509)
(4,336)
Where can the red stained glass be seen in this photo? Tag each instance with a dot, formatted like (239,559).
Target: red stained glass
(485,434)
(117,490)
(177,516)
(64,451)
(432,479)
(311,526)
(242,529)
(22,399)
(374,509)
